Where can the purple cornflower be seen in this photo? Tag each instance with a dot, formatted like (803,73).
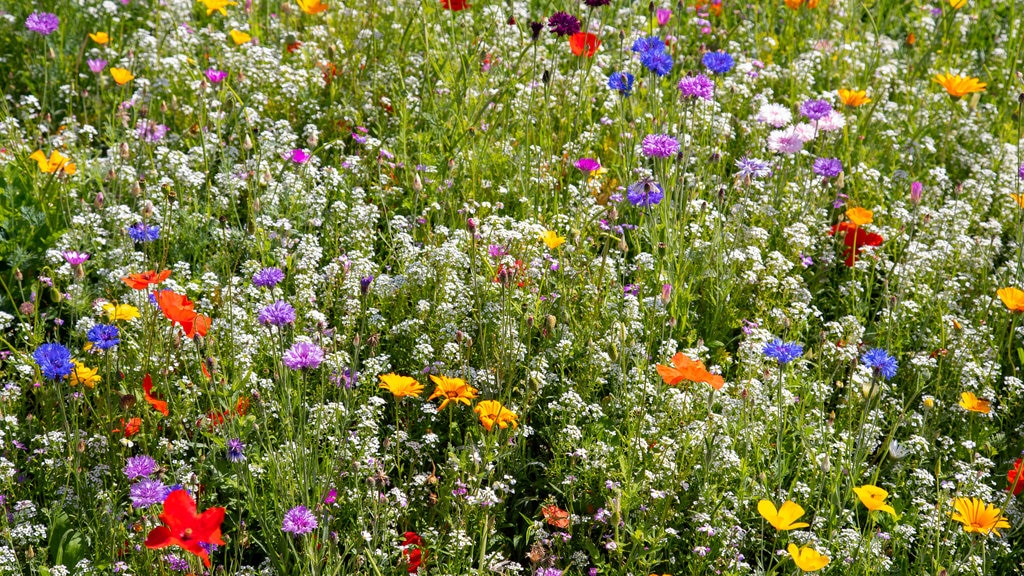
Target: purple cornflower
(562,24)
(1020,172)
(535,30)
(215,76)
(277,314)
(783,352)
(496,251)
(621,82)
(139,467)
(718,62)
(880,362)
(659,145)
(150,131)
(815,109)
(54,360)
(268,277)
(235,450)
(699,86)
(43,23)
(828,167)
(751,168)
(588,165)
(299,520)
(104,336)
(142,233)
(657,61)
(74,258)
(177,563)
(147,492)
(303,355)
(644,193)
(96,65)
(299,156)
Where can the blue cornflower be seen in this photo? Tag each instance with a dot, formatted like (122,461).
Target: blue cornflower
(54,360)
(268,277)
(644,193)
(648,44)
(621,82)
(235,450)
(657,61)
(718,62)
(783,352)
(139,467)
(828,167)
(880,362)
(104,336)
(278,313)
(140,232)
(751,168)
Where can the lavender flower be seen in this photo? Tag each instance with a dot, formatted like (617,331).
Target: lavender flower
(699,86)
(299,520)
(815,109)
(659,145)
(43,23)
(783,352)
(753,168)
(562,24)
(645,193)
(139,467)
(147,492)
(268,277)
(303,355)
(54,360)
(279,313)
(828,167)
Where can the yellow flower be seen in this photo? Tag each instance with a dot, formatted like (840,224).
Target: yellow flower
(957,4)
(959,86)
(217,6)
(452,390)
(1019,199)
(1013,298)
(491,412)
(120,311)
(970,402)
(122,76)
(860,216)
(807,559)
(551,239)
(854,98)
(311,6)
(55,162)
(976,516)
(82,374)
(401,386)
(100,37)
(783,518)
(873,498)
(239,37)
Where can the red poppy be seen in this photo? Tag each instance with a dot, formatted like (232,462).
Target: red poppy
(143,280)
(855,239)
(555,516)
(130,428)
(293,47)
(147,389)
(185,528)
(1016,477)
(584,44)
(454,5)
(414,556)
(177,308)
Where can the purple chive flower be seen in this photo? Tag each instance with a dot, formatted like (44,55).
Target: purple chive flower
(54,360)
(104,336)
(43,23)
(588,165)
(828,167)
(562,24)
(96,65)
(268,277)
(142,233)
(74,258)
(235,450)
(644,193)
(657,61)
(663,15)
(880,362)
(699,86)
(299,520)
(783,352)
(916,188)
(139,467)
(147,492)
(303,355)
(299,156)
(215,76)
(718,62)
(659,145)
(815,109)
(621,82)
(279,313)
(753,168)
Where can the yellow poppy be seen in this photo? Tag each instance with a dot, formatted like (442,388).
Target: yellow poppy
(807,559)
(100,37)
(551,239)
(1013,298)
(957,4)
(117,312)
(971,403)
(82,374)
(784,517)
(401,386)
(854,98)
(452,390)
(239,37)
(122,76)
(977,516)
(959,86)
(55,162)
(860,216)
(217,6)
(491,412)
(873,498)
(311,6)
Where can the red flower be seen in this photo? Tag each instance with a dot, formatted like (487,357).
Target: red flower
(1016,477)
(184,528)
(158,405)
(177,308)
(454,5)
(414,556)
(555,516)
(143,280)
(130,428)
(855,239)
(584,44)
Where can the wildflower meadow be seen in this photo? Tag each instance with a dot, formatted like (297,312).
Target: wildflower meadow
(450,287)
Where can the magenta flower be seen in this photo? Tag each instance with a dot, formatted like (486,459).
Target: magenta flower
(663,15)
(659,145)
(588,165)
(216,76)
(74,258)
(299,156)
(299,520)
(915,191)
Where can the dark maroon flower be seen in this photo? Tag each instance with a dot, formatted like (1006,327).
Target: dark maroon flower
(562,24)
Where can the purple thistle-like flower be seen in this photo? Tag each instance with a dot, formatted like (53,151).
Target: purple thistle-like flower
(299,520)
(278,313)
(54,360)
(303,355)
(699,86)
(1020,172)
(753,168)
(235,450)
(268,277)
(644,193)
(74,258)
(139,467)
(147,492)
(563,24)
(783,352)
(588,164)
(815,109)
(96,65)
(828,167)
(216,76)
(104,336)
(43,23)
(659,145)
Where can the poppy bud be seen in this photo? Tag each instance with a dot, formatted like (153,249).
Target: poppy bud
(18,276)
(417,183)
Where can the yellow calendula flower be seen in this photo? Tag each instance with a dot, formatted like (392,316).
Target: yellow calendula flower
(854,98)
(971,403)
(401,386)
(116,312)
(82,374)
(785,517)
(551,239)
(217,6)
(311,6)
(860,216)
(239,37)
(873,498)
(491,412)
(807,559)
(122,76)
(100,37)
(55,162)
(1013,298)
(959,86)
(977,516)
(452,390)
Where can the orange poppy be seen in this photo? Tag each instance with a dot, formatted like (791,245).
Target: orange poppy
(129,428)
(684,368)
(143,280)
(555,516)
(177,308)
(147,390)
(584,44)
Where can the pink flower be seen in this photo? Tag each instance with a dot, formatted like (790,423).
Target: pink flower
(663,15)
(299,156)
(216,76)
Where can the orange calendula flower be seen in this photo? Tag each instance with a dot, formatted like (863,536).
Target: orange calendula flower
(551,239)
(860,216)
(1019,199)
(971,403)
(452,390)
(217,6)
(977,516)
(122,76)
(796,4)
(143,280)
(116,312)
(873,498)
(683,368)
(807,559)
(239,37)
(959,86)
(401,386)
(584,44)
(82,374)
(854,98)
(1013,298)
(56,162)
(100,37)
(783,518)
(311,6)
(491,412)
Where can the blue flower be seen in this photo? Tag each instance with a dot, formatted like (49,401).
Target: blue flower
(645,193)
(104,336)
(235,450)
(718,62)
(657,61)
(648,44)
(783,352)
(142,233)
(621,82)
(54,360)
(880,362)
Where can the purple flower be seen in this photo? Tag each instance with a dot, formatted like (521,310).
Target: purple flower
(235,450)
(142,233)
(299,156)
(268,277)
(588,165)
(96,65)
(547,572)
(718,62)
(645,193)
(596,3)
(54,360)
(815,109)
(299,520)
(783,352)
(496,251)
(177,563)
(699,86)
(74,258)
(828,167)
(663,15)
(150,131)
(139,467)
(277,314)
(104,336)
(303,355)
(43,23)
(1020,172)
(751,168)
(659,145)
(916,188)
(332,496)
(216,76)
(147,492)
(562,24)
(364,284)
